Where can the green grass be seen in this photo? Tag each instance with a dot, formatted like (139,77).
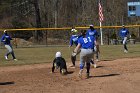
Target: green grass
(112,52)
(47,54)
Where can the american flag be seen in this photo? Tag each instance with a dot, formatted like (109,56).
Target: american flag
(101,16)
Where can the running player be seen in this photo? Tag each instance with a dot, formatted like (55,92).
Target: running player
(6,40)
(124,35)
(86,44)
(92,32)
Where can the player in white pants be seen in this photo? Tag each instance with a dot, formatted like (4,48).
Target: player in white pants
(6,40)
(124,34)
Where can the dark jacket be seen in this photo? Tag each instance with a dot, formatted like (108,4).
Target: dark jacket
(59,62)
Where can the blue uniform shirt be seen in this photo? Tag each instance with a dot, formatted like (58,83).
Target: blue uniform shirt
(92,33)
(87,42)
(74,40)
(6,39)
(123,32)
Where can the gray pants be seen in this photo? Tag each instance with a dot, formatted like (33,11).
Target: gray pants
(86,55)
(10,51)
(124,43)
(124,40)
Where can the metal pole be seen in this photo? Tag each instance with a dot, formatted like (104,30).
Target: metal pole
(101,33)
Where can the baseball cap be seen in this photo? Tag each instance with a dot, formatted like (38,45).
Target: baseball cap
(58,54)
(91,25)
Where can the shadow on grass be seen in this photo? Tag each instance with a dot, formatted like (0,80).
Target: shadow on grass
(108,75)
(7,83)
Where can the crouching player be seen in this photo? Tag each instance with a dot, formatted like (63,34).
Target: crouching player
(59,62)
(86,43)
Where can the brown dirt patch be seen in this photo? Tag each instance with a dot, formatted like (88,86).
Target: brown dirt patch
(118,76)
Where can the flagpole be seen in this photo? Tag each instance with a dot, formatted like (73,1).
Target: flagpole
(101,33)
(101,19)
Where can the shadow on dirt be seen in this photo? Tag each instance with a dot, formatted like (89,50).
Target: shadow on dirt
(108,75)
(99,66)
(7,83)
(90,77)
(70,72)
(108,60)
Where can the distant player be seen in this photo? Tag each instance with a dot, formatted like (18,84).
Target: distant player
(86,44)
(92,32)
(6,39)
(59,62)
(73,41)
(124,35)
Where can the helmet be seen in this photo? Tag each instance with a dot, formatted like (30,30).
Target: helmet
(58,54)
(73,30)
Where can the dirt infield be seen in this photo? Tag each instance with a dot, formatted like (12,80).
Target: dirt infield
(118,76)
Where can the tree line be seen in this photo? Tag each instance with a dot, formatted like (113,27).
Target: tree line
(61,13)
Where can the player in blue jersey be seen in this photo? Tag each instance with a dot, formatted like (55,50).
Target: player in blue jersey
(73,41)
(6,40)
(86,44)
(124,35)
(92,32)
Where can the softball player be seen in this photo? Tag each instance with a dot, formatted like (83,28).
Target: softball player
(59,61)
(73,40)
(92,32)
(6,40)
(86,44)
(124,35)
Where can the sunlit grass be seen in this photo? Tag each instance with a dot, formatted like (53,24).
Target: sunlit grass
(47,54)
(116,51)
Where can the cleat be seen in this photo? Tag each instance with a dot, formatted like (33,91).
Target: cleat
(15,60)
(125,51)
(63,71)
(6,57)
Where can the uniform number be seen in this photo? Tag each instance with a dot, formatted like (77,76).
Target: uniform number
(86,40)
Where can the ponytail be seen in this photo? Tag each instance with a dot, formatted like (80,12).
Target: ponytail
(83,33)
